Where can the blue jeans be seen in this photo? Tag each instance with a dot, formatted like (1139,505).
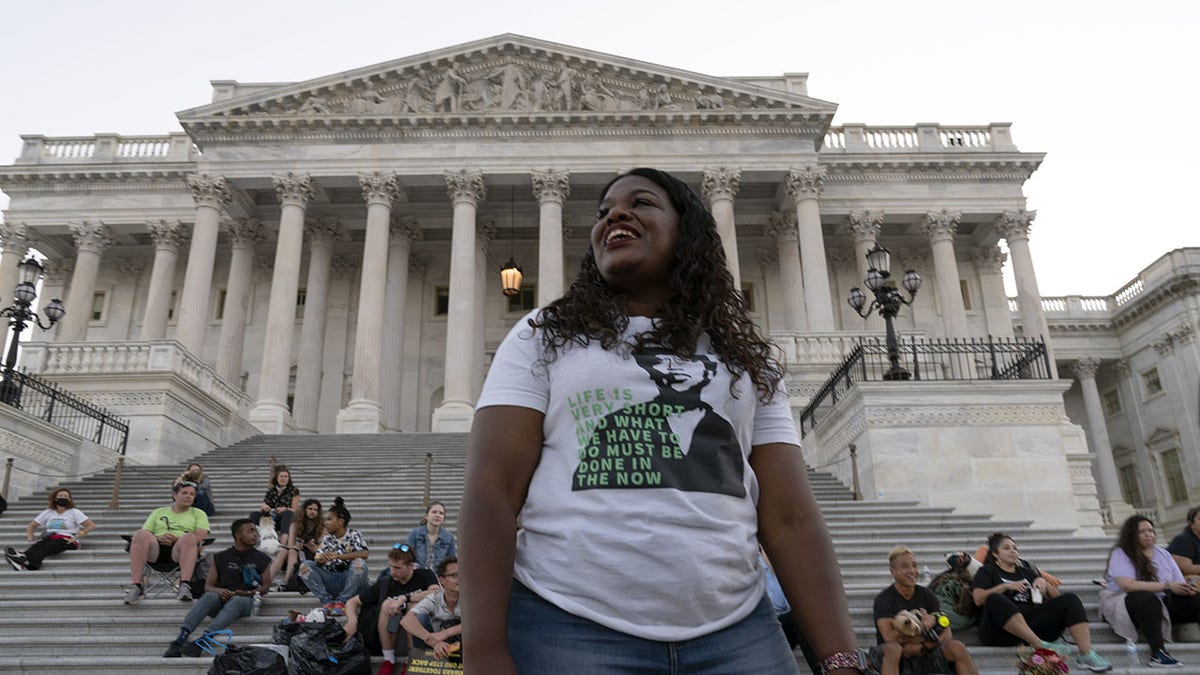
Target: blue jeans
(223,613)
(546,640)
(334,586)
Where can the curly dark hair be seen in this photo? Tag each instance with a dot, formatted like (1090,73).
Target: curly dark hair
(993,543)
(703,299)
(1127,541)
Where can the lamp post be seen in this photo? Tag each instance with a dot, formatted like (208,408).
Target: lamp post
(19,316)
(888,301)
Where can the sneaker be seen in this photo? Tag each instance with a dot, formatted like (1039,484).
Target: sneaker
(1058,647)
(338,609)
(1093,662)
(134,595)
(385,668)
(191,650)
(173,651)
(1162,659)
(13,561)
(184,594)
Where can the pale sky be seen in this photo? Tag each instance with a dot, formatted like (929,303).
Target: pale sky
(1106,89)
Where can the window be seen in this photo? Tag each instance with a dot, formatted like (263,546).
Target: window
(99,302)
(524,300)
(1151,382)
(441,301)
(1173,475)
(966,294)
(748,295)
(219,309)
(1127,475)
(1112,402)
(301,297)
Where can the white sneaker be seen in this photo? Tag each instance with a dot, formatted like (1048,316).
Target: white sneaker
(134,595)
(184,594)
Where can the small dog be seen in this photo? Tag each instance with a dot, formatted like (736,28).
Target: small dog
(908,623)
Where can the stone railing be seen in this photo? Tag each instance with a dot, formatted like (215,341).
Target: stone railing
(49,359)
(107,148)
(856,138)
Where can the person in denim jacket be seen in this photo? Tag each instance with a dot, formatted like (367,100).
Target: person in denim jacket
(430,530)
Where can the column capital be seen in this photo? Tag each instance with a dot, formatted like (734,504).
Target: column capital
(485,232)
(91,235)
(768,256)
(720,183)
(168,235)
(244,232)
(1085,368)
(405,229)
(343,266)
(1015,224)
(295,189)
(56,271)
(465,187)
(129,269)
(208,190)
(1121,369)
(379,188)
(782,224)
(418,263)
(865,225)
(551,186)
(806,182)
(324,231)
(989,259)
(16,236)
(940,224)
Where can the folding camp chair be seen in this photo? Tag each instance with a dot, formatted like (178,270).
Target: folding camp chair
(159,577)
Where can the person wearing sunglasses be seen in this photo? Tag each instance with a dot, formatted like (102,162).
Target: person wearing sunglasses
(376,612)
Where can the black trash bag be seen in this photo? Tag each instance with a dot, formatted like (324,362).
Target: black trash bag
(239,660)
(317,655)
(283,632)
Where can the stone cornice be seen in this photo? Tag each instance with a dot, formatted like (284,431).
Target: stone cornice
(111,178)
(900,169)
(1151,298)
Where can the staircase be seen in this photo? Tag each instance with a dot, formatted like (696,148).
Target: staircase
(69,614)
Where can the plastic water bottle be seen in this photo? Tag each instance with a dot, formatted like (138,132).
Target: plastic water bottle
(255,604)
(1131,654)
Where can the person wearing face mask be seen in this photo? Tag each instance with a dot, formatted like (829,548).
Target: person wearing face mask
(63,525)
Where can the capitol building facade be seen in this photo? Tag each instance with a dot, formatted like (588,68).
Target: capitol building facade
(323,257)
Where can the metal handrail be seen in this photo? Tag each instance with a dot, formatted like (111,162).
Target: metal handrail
(59,407)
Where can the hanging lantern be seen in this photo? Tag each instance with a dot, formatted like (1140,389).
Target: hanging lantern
(510,277)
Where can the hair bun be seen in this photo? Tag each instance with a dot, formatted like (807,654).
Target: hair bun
(338,501)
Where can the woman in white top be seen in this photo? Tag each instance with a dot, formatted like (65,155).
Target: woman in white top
(63,525)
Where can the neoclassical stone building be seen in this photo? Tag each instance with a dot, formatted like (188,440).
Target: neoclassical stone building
(323,256)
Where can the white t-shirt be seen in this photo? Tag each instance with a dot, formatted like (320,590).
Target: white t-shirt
(68,522)
(641,514)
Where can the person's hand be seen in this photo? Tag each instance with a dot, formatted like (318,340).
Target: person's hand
(1018,586)
(1040,584)
(1184,589)
(167,539)
(225,594)
(392,606)
(351,628)
(311,546)
(441,649)
(280,509)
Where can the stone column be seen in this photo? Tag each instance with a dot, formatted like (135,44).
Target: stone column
(244,236)
(91,238)
(719,187)
(804,186)
(466,190)
(939,226)
(551,189)
(782,226)
(211,194)
(1106,468)
(989,263)
(270,412)
(16,239)
(485,232)
(322,234)
(1014,227)
(404,231)
(168,236)
(364,414)
(864,228)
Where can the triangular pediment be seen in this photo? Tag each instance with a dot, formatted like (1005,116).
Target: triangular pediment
(1162,435)
(506,75)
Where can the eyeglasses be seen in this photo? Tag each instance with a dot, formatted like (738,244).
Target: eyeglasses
(451,575)
(187,483)
(401,547)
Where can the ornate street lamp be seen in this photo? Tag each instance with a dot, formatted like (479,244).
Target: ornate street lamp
(19,316)
(510,274)
(888,301)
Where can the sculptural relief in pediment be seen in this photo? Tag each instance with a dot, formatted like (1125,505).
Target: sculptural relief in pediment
(510,84)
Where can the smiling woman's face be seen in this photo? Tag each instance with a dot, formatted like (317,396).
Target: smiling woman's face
(635,235)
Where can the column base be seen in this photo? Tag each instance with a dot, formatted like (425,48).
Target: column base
(360,417)
(453,417)
(271,418)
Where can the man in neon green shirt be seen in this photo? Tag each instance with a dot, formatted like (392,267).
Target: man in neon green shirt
(170,533)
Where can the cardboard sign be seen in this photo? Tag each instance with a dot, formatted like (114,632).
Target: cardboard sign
(423,662)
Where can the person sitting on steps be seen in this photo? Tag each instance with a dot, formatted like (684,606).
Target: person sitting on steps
(64,526)
(382,605)
(229,588)
(279,502)
(338,570)
(436,622)
(195,474)
(173,532)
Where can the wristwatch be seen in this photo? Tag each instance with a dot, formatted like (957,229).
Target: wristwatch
(854,660)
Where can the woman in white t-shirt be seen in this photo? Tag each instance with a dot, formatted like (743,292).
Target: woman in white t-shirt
(631,447)
(63,526)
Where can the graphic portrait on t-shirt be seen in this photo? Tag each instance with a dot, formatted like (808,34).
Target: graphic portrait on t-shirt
(674,440)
